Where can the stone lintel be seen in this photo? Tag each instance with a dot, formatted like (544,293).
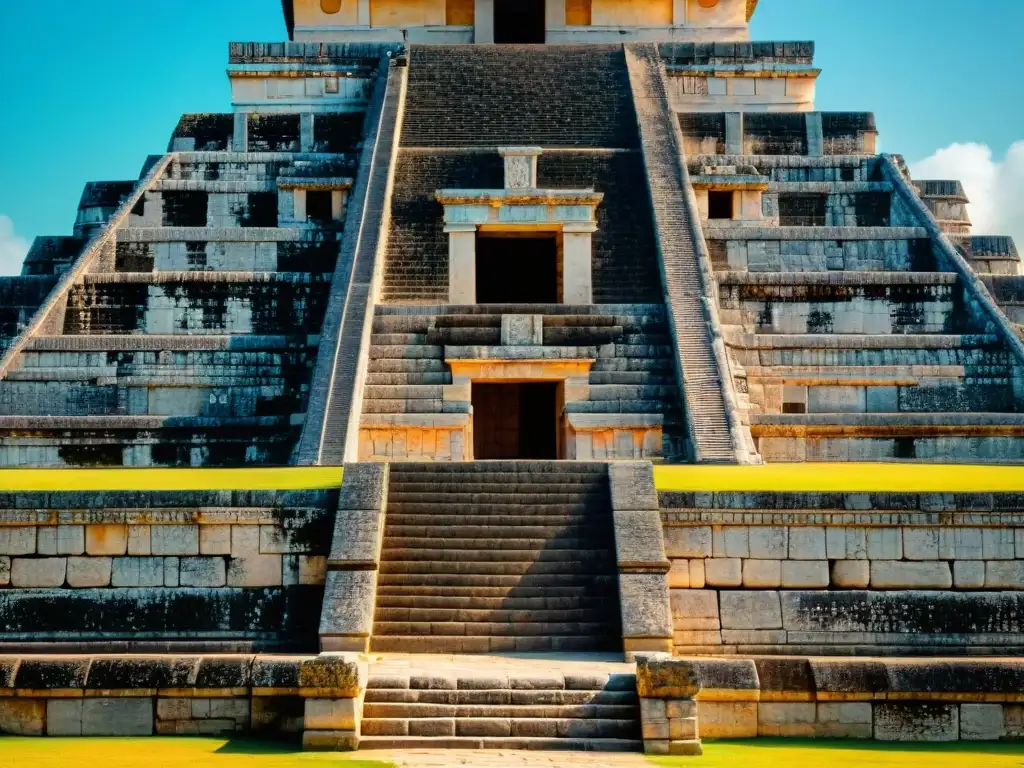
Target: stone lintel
(490,369)
(297,182)
(459,228)
(516,196)
(585,422)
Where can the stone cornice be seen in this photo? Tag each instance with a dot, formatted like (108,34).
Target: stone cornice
(499,197)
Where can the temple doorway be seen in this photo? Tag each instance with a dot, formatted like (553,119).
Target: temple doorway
(517,269)
(515,421)
(519,21)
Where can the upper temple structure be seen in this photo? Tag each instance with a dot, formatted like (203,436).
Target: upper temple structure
(500,260)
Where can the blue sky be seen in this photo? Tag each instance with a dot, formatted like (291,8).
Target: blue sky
(92,87)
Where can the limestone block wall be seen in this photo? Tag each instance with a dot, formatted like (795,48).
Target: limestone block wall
(845,573)
(317,699)
(908,700)
(151,568)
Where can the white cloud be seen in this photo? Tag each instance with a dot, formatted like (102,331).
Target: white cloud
(12,248)
(995,187)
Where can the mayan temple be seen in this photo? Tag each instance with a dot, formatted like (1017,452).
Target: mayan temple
(502,260)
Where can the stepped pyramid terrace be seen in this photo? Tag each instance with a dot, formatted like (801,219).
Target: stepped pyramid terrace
(505,263)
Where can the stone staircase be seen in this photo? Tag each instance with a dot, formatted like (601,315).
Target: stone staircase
(506,95)
(704,381)
(587,704)
(495,557)
(633,372)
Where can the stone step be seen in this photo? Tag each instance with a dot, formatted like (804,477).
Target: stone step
(467,520)
(529,467)
(435,555)
(519,743)
(408,379)
(583,488)
(400,541)
(472,581)
(582,711)
(516,692)
(539,568)
(455,593)
(487,499)
(473,644)
(408,601)
(417,614)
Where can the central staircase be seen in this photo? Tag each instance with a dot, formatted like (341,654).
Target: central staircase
(490,557)
(488,703)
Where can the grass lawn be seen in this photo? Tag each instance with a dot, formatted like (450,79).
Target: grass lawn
(796,753)
(172,752)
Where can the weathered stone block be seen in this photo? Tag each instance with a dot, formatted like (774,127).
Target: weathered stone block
(921,543)
(312,569)
(176,540)
(723,572)
(769,542)
(851,574)
(5,570)
(330,714)
(730,541)
(117,717)
(20,540)
(910,575)
(245,540)
(70,539)
(632,485)
(88,572)
(688,542)
(885,543)
(140,540)
(1004,574)
(679,574)
(348,604)
(174,709)
(750,610)
(807,543)
(255,571)
(969,574)
(111,540)
(982,722)
(202,572)
(215,539)
(364,486)
(64,717)
(357,537)
(664,678)
(22,717)
(727,719)
(785,718)
(644,603)
(330,741)
(916,721)
(638,539)
(38,572)
(137,572)
(698,575)
(762,573)
(805,574)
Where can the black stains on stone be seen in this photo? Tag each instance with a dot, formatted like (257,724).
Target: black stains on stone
(843,132)
(922,255)
(195,253)
(312,256)
(802,210)
(134,257)
(20,297)
(701,126)
(101,308)
(318,206)
(904,448)
(91,455)
(126,673)
(212,132)
(873,209)
(488,96)
(260,210)
(773,133)
(765,316)
(281,614)
(337,133)
(185,209)
(689,54)
(819,322)
(274,133)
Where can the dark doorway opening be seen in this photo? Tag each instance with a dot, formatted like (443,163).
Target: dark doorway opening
(519,21)
(515,421)
(517,270)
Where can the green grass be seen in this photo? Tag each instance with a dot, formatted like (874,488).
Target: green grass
(170,752)
(796,753)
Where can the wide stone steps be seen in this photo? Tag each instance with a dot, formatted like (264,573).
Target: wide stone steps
(534,705)
(551,532)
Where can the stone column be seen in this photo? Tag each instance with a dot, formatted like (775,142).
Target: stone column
(240,140)
(338,197)
(299,208)
(815,135)
(461,263)
(484,22)
(679,13)
(363,13)
(306,132)
(734,133)
(577,267)
(554,16)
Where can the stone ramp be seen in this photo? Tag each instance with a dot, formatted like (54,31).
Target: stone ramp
(498,557)
(704,373)
(581,702)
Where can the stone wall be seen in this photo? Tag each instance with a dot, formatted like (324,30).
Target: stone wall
(845,573)
(900,700)
(151,568)
(625,269)
(316,699)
